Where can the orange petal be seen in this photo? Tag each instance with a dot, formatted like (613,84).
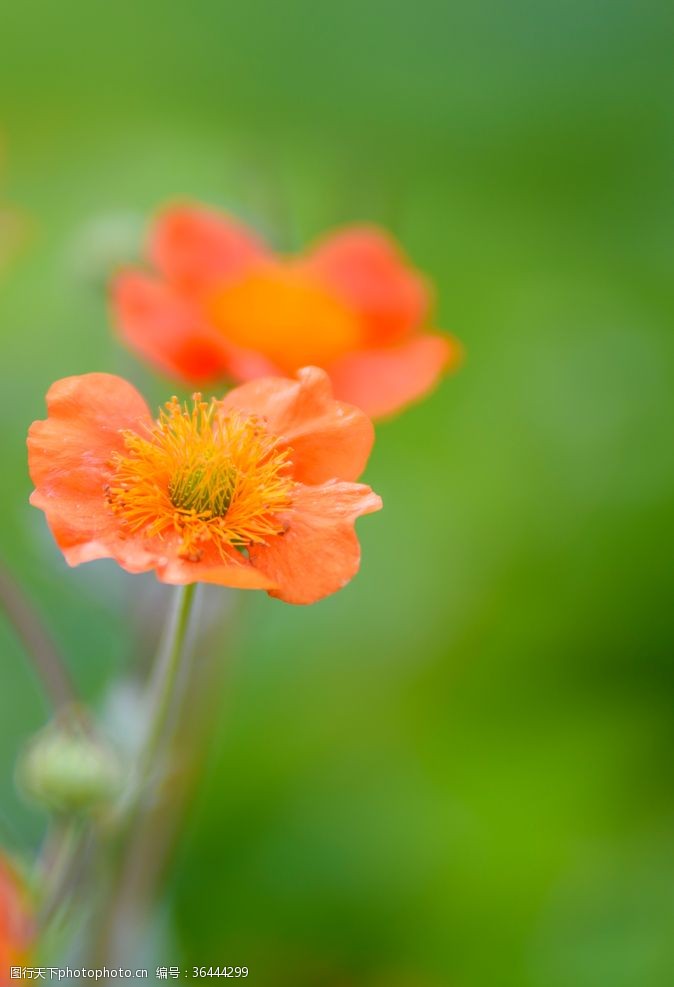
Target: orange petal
(329,439)
(69,455)
(16,925)
(384,381)
(365,266)
(235,571)
(193,246)
(167,328)
(319,553)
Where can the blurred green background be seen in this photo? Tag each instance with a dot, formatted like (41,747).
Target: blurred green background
(458,771)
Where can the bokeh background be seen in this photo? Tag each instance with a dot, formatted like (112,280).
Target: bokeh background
(458,771)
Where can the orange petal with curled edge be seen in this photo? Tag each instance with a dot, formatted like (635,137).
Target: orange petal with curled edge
(328,438)
(319,553)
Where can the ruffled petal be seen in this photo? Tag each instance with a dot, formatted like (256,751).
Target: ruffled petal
(193,247)
(329,439)
(366,268)
(319,552)
(383,381)
(69,458)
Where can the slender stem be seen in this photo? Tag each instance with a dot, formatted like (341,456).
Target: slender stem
(164,695)
(166,679)
(187,740)
(60,858)
(46,660)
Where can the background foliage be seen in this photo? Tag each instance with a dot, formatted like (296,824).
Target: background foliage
(458,770)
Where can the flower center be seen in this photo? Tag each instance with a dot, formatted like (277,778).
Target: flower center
(205,487)
(206,476)
(286,313)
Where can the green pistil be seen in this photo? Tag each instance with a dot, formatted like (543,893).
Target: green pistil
(205,488)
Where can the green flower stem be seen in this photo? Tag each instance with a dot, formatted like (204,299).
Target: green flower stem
(166,683)
(165,692)
(59,866)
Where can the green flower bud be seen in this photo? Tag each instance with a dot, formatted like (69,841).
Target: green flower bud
(69,770)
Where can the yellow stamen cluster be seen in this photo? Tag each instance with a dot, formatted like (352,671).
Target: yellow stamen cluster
(202,474)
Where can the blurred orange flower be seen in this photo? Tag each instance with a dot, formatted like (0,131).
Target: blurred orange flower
(255,490)
(222,304)
(16,929)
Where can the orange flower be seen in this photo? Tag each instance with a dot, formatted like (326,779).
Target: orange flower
(15,923)
(255,490)
(223,305)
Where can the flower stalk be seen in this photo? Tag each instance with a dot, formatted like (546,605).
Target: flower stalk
(165,686)
(165,692)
